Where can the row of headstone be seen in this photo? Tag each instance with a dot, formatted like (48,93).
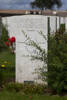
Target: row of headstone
(31,25)
(54,23)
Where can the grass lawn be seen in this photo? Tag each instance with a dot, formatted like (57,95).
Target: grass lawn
(19,96)
(7,59)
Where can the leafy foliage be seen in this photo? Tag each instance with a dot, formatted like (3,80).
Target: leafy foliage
(62,29)
(57,63)
(40,53)
(56,76)
(47,4)
(26,88)
(4,37)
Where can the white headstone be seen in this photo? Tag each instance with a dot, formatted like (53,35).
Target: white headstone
(31,25)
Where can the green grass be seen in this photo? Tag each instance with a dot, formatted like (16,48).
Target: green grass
(19,96)
(7,59)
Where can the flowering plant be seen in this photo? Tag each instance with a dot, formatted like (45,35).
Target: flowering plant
(7,43)
(11,43)
(12,40)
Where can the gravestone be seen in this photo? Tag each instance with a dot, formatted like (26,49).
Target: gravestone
(66,23)
(25,67)
(31,25)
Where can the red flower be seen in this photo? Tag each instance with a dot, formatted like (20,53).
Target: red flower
(12,39)
(7,43)
(9,39)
